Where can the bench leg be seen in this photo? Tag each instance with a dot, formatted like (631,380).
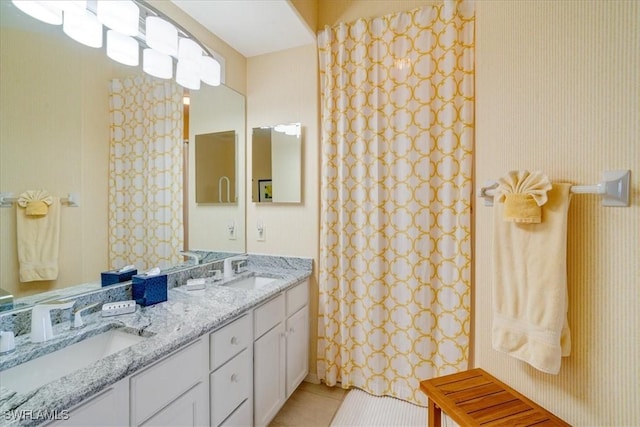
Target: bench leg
(434,414)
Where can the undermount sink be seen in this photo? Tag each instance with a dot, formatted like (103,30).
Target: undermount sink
(253,282)
(42,370)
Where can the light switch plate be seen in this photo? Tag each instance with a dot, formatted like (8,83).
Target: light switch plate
(261,232)
(231,229)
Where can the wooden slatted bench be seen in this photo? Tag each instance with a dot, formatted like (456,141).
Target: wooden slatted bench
(474,398)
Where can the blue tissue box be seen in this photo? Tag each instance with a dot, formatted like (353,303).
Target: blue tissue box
(113,277)
(149,290)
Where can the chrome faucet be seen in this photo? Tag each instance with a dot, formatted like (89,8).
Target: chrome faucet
(197,259)
(228,264)
(77,315)
(41,329)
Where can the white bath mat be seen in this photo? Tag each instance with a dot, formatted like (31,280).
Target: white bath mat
(362,409)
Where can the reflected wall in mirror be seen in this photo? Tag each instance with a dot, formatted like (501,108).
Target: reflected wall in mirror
(216,167)
(276,164)
(55,135)
(210,224)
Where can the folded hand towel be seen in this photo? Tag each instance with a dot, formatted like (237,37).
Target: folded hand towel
(38,243)
(36,202)
(530,285)
(523,194)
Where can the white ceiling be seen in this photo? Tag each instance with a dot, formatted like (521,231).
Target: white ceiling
(252,27)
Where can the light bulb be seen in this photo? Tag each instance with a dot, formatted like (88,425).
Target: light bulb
(157,64)
(210,71)
(161,35)
(83,28)
(123,49)
(45,11)
(187,75)
(119,15)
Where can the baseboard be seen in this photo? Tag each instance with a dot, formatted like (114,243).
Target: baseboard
(312,378)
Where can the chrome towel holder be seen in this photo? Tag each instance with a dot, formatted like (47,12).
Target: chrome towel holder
(613,187)
(7,200)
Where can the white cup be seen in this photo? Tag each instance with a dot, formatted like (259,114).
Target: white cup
(7,342)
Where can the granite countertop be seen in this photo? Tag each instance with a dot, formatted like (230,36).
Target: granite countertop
(185,316)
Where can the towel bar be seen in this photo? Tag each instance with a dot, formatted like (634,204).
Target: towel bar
(614,189)
(7,200)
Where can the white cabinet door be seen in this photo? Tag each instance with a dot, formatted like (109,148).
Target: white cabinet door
(297,349)
(269,366)
(161,384)
(189,410)
(242,417)
(108,408)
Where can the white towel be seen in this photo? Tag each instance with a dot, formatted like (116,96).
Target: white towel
(530,285)
(38,243)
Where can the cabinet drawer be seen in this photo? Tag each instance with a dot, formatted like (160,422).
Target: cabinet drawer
(158,385)
(297,297)
(268,315)
(230,386)
(229,341)
(241,417)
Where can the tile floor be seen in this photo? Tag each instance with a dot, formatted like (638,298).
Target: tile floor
(311,405)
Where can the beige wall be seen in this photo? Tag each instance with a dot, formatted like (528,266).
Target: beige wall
(282,88)
(558,89)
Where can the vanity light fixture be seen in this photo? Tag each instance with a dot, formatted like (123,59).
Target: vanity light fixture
(82,21)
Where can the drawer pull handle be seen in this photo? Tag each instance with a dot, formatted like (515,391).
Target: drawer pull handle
(291,330)
(234,378)
(234,340)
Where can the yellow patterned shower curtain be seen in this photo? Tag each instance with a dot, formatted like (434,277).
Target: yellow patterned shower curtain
(397,136)
(145,173)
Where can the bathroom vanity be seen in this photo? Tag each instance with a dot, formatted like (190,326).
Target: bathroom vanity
(224,355)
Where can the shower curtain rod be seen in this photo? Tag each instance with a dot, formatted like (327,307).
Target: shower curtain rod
(614,189)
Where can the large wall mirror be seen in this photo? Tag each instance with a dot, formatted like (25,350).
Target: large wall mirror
(56,128)
(276,164)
